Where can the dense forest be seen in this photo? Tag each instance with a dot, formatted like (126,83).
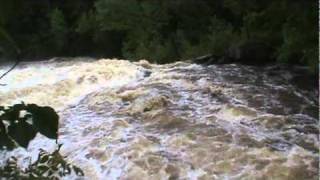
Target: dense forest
(162,31)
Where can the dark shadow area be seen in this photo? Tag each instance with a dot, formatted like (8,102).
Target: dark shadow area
(246,32)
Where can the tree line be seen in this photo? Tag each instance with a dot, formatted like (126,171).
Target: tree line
(160,30)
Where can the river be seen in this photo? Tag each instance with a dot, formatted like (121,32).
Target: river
(136,120)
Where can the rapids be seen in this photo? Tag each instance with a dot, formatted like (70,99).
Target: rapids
(136,120)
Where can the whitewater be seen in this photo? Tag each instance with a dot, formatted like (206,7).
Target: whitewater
(138,120)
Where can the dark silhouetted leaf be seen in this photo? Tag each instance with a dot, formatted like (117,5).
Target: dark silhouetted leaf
(13,112)
(45,120)
(78,171)
(22,133)
(23,129)
(5,141)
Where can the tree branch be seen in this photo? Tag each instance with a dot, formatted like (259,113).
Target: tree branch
(4,74)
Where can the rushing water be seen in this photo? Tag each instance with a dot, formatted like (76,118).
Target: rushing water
(123,120)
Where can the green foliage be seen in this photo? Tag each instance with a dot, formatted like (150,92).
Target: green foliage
(161,31)
(6,39)
(298,45)
(281,25)
(141,24)
(151,47)
(17,128)
(86,23)
(47,166)
(220,36)
(116,15)
(59,29)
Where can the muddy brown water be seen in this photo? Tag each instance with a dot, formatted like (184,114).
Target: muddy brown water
(124,120)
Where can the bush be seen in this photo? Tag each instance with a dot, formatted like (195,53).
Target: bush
(151,47)
(219,38)
(19,124)
(297,45)
(47,166)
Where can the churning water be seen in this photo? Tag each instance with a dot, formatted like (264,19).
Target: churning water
(124,120)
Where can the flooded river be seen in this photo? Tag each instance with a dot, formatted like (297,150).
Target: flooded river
(124,120)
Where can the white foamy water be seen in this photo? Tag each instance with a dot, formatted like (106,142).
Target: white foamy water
(124,120)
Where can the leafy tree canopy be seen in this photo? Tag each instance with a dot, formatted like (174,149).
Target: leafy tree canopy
(161,31)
